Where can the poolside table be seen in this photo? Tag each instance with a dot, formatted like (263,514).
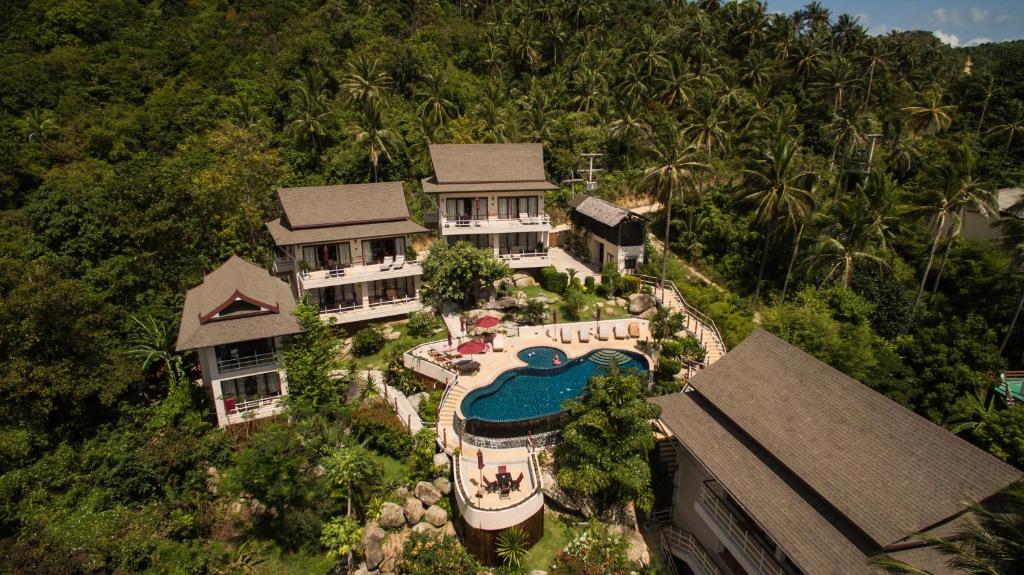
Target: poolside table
(504,483)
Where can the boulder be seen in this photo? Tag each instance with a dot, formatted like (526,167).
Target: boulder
(361,570)
(427,493)
(538,572)
(521,298)
(523,280)
(391,335)
(423,527)
(500,304)
(373,550)
(443,485)
(448,529)
(402,491)
(441,460)
(649,313)
(543,299)
(393,550)
(413,510)
(392,516)
(621,302)
(436,516)
(641,302)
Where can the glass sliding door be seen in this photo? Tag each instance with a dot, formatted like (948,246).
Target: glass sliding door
(466,209)
(240,393)
(327,256)
(512,207)
(383,291)
(481,241)
(524,242)
(374,251)
(336,298)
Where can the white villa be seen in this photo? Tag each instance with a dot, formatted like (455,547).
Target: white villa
(492,195)
(345,246)
(237,320)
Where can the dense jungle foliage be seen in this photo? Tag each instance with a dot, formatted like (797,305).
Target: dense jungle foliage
(141,144)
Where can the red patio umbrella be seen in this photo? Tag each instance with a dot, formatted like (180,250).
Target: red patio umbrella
(472,346)
(449,337)
(487,321)
(480,467)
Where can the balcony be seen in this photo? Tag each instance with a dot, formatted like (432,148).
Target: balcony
(494,224)
(358,274)
(283,264)
(743,544)
(373,310)
(239,412)
(235,363)
(519,260)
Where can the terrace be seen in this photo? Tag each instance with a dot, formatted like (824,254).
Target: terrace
(494,223)
(389,268)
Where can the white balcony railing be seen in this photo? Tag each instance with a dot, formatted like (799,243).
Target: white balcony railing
(538,222)
(251,405)
(358,274)
(357,312)
(752,549)
(685,546)
(246,361)
(525,259)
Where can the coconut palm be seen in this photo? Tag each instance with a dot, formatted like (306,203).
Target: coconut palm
(369,132)
(674,83)
(989,539)
(973,194)
(630,127)
(1013,233)
(805,219)
(366,82)
(846,239)
(839,77)
(436,107)
(309,113)
(931,116)
(677,161)
(777,190)
(1013,123)
(708,135)
(153,342)
(37,124)
(874,57)
(591,88)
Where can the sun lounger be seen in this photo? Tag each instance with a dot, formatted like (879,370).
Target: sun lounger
(620,331)
(634,329)
(499,342)
(603,332)
(566,335)
(584,335)
(399,262)
(387,263)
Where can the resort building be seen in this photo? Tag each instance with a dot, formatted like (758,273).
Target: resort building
(603,232)
(787,466)
(492,195)
(237,321)
(979,226)
(347,248)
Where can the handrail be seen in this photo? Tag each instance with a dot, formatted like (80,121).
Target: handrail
(753,550)
(395,301)
(535,478)
(696,313)
(522,255)
(675,539)
(242,362)
(252,404)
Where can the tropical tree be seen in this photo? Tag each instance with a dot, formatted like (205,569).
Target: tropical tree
(370,133)
(365,82)
(310,360)
(778,191)
(676,164)
(154,342)
(989,539)
(931,116)
(1012,124)
(436,107)
(37,125)
(846,238)
(512,546)
(309,112)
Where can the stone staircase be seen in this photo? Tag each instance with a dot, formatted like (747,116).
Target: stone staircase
(605,357)
(704,333)
(446,416)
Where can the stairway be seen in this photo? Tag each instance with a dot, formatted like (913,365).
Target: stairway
(705,334)
(446,416)
(605,357)
(667,453)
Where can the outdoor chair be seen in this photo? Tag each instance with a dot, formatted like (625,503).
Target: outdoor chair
(620,331)
(584,335)
(566,335)
(399,262)
(634,329)
(502,469)
(499,342)
(603,332)
(387,263)
(490,486)
(524,217)
(517,482)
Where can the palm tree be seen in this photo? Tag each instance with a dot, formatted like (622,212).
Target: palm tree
(369,131)
(988,89)
(775,188)
(436,108)
(930,117)
(1013,123)
(648,54)
(153,342)
(674,85)
(676,163)
(846,239)
(591,88)
(804,219)
(1013,232)
(309,113)
(365,82)
(951,187)
(874,56)
(37,124)
(989,541)
(349,468)
(839,77)
(630,127)
(973,193)
(707,135)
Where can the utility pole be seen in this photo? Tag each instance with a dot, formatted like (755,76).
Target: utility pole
(591,180)
(572,180)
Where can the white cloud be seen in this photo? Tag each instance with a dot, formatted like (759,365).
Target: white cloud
(977,41)
(980,15)
(943,16)
(950,39)
(863,20)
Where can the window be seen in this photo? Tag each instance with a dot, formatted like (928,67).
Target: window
(524,242)
(481,241)
(511,207)
(236,392)
(328,256)
(630,263)
(392,289)
(466,208)
(374,251)
(336,297)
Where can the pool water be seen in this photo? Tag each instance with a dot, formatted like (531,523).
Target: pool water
(540,388)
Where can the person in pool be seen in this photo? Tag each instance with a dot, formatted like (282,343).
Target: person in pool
(555,360)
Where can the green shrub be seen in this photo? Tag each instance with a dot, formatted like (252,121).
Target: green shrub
(589,284)
(668,367)
(533,313)
(552,280)
(368,341)
(423,323)
(602,289)
(671,348)
(428,405)
(375,425)
(630,285)
(421,457)
(436,553)
(572,303)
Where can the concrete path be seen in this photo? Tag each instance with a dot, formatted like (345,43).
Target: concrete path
(563,260)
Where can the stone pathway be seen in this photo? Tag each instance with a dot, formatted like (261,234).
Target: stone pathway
(563,260)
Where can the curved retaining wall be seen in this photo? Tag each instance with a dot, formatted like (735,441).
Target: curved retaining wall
(495,519)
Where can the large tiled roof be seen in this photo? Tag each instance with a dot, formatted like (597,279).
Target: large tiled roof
(236,279)
(486,167)
(820,460)
(319,206)
(286,237)
(600,210)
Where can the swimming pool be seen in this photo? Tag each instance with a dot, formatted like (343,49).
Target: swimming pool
(539,389)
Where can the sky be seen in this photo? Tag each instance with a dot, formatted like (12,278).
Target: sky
(957,23)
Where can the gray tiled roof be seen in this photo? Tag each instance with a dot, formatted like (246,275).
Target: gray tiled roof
(600,210)
(817,458)
(319,206)
(486,167)
(236,278)
(286,237)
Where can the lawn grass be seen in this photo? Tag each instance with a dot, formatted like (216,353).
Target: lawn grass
(392,470)
(404,343)
(557,534)
(278,562)
(589,301)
